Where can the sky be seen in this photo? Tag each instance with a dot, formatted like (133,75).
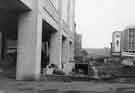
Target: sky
(97,19)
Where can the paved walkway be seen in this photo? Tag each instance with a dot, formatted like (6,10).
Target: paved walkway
(14,86)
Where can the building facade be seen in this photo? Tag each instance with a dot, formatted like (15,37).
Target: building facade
(116,43)
(128,42)
(40,32)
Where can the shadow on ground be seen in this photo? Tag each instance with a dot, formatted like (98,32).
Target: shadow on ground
(119,90)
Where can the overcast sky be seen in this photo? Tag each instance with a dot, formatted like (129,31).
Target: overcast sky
(97,19)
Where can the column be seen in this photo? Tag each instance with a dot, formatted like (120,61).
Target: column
(29,46)
(55,49)
(65,51)
(65,55)
(71,50)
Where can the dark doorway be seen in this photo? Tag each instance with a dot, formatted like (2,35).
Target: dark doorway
(81,68)
(8,30)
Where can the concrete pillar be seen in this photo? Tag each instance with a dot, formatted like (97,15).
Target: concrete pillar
(71,50)
(29,46)
(65,51)
(55,49)
(67,55)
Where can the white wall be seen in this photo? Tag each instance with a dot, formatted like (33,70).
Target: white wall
(65,10)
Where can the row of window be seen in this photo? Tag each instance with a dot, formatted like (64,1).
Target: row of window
(131,46)
(132,38)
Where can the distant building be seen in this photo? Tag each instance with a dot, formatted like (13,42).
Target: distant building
(128,42)
(78,44)
(116,43)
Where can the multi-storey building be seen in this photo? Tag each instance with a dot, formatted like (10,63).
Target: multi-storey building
(38,32)
(116,43)
(128,42)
